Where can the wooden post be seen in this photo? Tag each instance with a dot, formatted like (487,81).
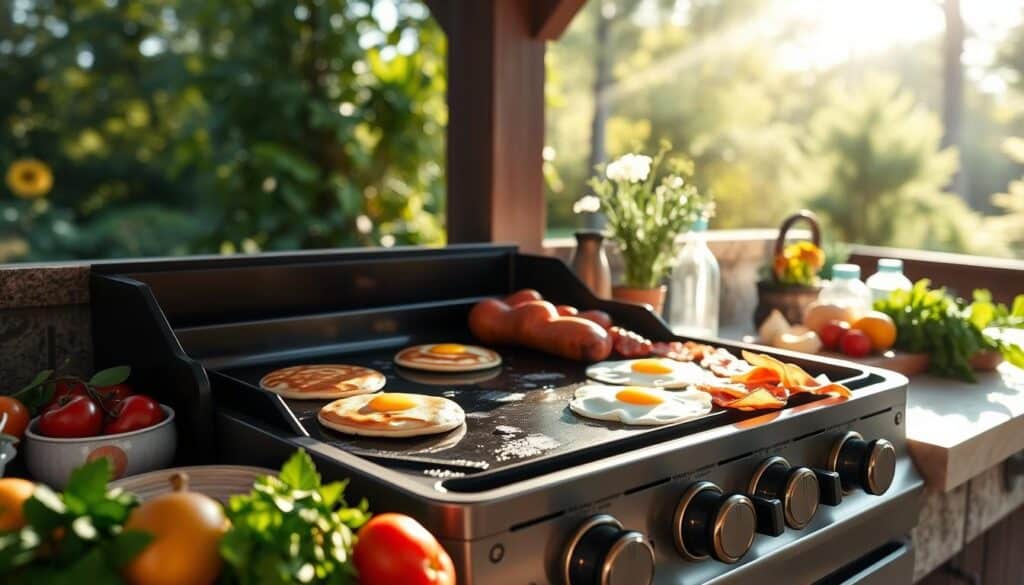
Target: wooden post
(496,116)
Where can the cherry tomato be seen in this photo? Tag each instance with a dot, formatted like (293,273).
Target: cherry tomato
(17,416)
(74,416)
(112,395)
(133,413)
(832,332)
(855,343)
(394,548)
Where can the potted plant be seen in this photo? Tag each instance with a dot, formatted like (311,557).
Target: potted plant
(792,282)
(645,214)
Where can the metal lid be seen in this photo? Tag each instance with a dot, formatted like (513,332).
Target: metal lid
(700,224)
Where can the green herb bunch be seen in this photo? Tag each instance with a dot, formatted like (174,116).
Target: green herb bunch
(291,529)
(951,330)
(75,537)
(646,214)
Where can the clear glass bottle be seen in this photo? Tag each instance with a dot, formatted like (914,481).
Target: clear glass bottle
(695,286)
(888,278)
(846,290)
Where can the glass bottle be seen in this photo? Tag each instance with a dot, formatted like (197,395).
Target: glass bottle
(846,290)
(590,263)
(695,287)
(888,278)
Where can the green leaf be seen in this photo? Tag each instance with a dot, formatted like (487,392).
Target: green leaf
(126,546)
(110,376)
(299,472)
(88,483)
(39,379)
(1014,354)
(44,511)
(1018,307)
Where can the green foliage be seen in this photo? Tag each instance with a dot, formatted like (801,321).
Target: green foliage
(73,537)
(951,330)
(646,214)
(218,126)
(874,169)
(291,529)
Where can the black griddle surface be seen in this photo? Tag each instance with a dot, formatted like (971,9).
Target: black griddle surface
(520,413)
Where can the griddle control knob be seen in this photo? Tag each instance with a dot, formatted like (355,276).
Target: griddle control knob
(601,552)
(869,465)
(709,523)
(797,487)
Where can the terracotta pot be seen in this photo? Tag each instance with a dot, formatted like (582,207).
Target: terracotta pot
(790,300)
(985,360)
(654,298)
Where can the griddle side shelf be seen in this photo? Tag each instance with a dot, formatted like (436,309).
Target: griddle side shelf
(129,328)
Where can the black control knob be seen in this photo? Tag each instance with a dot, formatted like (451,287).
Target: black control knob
(601,552)
(708,523)
(796,487)
(869,465)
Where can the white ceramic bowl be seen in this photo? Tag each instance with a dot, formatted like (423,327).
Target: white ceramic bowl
(51,460)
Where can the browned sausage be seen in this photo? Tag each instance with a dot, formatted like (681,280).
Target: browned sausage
(537,325)
(600,317)
(522,296)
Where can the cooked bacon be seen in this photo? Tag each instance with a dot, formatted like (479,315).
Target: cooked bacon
(760,399)
(757,375)
(722,363)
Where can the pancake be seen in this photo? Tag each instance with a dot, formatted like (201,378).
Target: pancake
(322,381)
(448,357)
(447,378)
(392,414)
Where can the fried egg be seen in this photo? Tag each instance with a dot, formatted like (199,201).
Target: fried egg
(392,414)
(634,405)
(657,372)
(448,357)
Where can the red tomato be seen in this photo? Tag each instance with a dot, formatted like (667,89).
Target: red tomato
(133,413)
(17,416)
(112,395)
(394,548)
(64,390)
(832,332)
(855,343)
(75,416)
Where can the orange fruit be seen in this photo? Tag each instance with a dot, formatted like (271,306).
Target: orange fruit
(817,315)
(186,528)
(879,328)
(13,493)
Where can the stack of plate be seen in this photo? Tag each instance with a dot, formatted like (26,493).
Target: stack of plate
(219,482)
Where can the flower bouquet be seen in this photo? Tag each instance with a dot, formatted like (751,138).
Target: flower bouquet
(645,214)
(793,281)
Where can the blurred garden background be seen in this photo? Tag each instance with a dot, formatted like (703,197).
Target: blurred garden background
(149,127)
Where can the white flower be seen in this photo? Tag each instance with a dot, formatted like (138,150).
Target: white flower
(633,168)
(675,181)
(587,204)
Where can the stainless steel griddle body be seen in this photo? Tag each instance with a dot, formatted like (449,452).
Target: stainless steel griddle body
(505,494)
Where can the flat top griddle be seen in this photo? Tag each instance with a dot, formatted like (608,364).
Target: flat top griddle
(514,413)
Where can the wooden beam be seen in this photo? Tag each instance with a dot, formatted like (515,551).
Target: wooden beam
(552,17)
(442,12)
(495,124)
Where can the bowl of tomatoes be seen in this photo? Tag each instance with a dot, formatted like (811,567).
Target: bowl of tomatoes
(83,422)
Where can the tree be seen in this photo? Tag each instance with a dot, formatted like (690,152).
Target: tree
(875,169)
(222,125)
(953,85)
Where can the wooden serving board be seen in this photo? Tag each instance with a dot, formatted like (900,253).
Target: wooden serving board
(908,364)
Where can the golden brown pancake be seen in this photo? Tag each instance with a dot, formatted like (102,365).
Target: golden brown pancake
(392,414)
(448,357)
(323,381)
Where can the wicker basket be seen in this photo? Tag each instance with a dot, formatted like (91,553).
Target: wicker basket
(789,299)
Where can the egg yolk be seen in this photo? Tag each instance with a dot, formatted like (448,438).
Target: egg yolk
(638,396)
(391,402)
(448,349)
(651,367)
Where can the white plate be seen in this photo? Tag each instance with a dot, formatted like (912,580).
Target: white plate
(220,482)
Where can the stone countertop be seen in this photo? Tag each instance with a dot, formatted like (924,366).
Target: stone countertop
(957,430)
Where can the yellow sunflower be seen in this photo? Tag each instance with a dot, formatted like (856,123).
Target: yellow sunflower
(29,178)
